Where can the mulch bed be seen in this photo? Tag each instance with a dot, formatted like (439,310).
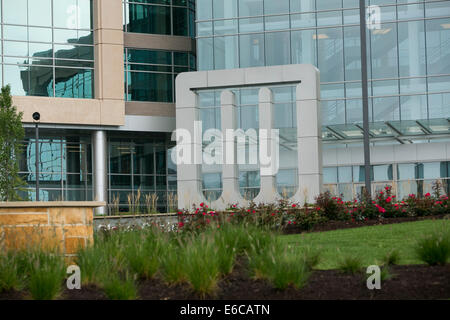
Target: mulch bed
(409,282)
(337,225)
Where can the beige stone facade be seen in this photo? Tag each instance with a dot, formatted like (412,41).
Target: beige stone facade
(64,226)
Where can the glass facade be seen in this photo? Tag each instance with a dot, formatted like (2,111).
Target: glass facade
(406,178)
(408,57)
(65,168)
(144,167)
(169,17)
(150,74)
(47,48)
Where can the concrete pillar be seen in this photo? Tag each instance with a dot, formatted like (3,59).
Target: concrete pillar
(100,159)
(108,51)
(189,178)
(230,168)
(309,135)
(268,192)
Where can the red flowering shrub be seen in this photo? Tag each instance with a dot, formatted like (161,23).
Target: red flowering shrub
(284,214)
(387,206)
(333,207)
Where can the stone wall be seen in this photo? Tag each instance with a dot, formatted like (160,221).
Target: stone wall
(58,226)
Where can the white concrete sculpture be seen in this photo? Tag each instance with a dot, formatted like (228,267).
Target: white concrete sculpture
(307,79)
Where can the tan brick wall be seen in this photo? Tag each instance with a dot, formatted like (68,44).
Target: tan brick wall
(62,228)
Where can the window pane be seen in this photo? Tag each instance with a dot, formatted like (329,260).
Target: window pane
(40,34)
(149,19)
(277,48)
(382,173)
(17,49)
(226,52)
(150,87)
(414,107)
(250,8)
(277,23)
(40,13)
(225,9)
(74,83)
(65,14)
(332,18)
(204,29)
(205,54)
(120,158)
(251,50)
(352,43)
(303,20)
(14,11)
(438,50)
(276,7)
(304,47)
(204,9)
(406,171)
(144,159)
(328,4)
(331,55)
(84,14)
(180,21)
(15,33)
(344,174)
(226,27)
(384,52)
(17,77)
(329,175)
(411,48)
(333,112)
(251,25)
(386,109)
(41,81)
(439,105)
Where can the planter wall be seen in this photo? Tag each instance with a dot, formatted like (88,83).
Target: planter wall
(65,226)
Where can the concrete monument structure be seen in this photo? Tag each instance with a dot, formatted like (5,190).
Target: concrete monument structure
(306,78)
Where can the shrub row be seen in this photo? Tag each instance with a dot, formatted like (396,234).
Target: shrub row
(284,214)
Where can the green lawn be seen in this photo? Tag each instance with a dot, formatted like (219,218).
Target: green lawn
(370,243)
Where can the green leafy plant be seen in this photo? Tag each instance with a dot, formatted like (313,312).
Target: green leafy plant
(11,136)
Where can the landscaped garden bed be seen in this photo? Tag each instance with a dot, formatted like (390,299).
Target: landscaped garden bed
(408,282)
(242,262)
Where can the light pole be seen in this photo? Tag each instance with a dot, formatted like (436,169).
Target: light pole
(365,96)
(37,118)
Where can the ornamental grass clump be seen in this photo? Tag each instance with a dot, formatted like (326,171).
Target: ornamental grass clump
(434,249)
(10,278)
(172,263)
(141,252)
(46,273)
(101,257)
(202,264)
(281,265)
(392,258)
(350,264)
(119,286)
(225,241)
